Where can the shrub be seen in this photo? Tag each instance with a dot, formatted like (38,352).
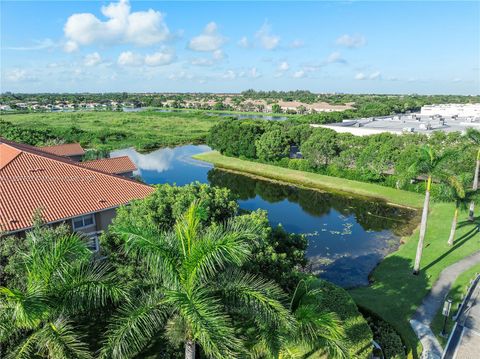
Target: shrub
(384,334)
(359,335)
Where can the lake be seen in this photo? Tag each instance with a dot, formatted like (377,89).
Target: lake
(348,236)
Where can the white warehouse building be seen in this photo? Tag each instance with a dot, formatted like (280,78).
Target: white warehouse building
(451,109)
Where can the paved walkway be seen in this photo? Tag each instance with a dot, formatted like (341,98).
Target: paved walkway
(425,313)
(464,342)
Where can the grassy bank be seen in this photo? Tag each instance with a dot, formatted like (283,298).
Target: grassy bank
(314,180)
(394,293)
(113,130)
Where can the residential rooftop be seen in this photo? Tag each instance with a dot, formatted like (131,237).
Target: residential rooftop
(32,180)
(116,165)
(66,150)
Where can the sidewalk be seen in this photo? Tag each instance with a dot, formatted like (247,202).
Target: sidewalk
(425,313)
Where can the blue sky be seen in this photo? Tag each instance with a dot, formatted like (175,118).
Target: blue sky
(156,46)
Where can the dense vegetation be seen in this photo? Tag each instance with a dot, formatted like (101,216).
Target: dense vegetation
(107,130)
(182,270)
(384,158)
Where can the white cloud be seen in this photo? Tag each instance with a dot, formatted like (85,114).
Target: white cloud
(266,39)
(160,58)
(299,74)
(39,45)
(70,46)
(360,76)
(16,75)
(283,66)
(335,57)
(351,41)
(218,55)
(296,44)
(202,61)
(457,79)
(141,28)
(375,75)
(243,42)
(208,40)
(92,59)
(128,58)
(182,75)
(253,73)
(229,75)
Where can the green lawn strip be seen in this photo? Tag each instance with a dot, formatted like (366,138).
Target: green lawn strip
(394,293)
(313,180)
(456,293)
(113,130)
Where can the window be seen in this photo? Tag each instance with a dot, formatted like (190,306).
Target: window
(84,221)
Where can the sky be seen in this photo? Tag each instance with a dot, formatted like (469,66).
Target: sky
(423,47)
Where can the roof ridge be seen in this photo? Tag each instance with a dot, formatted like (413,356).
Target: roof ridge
(106,159)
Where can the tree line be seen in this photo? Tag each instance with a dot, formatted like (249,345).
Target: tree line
(381,158)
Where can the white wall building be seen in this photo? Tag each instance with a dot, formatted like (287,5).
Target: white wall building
(448,110)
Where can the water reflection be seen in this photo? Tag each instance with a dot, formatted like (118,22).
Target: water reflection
(348,236)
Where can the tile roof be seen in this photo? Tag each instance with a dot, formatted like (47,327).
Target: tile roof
(31,179)
(116,165)
(67,149)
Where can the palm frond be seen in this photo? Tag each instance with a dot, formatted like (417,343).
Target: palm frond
(26,309)
(47,254)
(208,323)
(58,340)
(26,349)
(218,248)
(321,331)
(153,248)
(85,286)
(261,298)
(188,226)
(134,326)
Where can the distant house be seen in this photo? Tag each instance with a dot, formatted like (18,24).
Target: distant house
(72,151)
(122,166)
(63,190)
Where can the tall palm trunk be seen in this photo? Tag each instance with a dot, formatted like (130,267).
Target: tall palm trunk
(423,227)
(454,227)
(190,349)
(471,214)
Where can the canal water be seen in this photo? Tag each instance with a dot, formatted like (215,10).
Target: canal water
(348,236)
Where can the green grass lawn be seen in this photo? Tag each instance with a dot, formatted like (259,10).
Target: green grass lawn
(113,130)
(394,293)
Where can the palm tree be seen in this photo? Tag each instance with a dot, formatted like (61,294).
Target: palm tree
(474,136)
(459,196)
(315,333)
(462,199)
(195,279)
(428,163)
(61,282)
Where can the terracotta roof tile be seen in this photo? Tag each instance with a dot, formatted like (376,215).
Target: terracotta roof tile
(67,149)
(114,165)
(63,189)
